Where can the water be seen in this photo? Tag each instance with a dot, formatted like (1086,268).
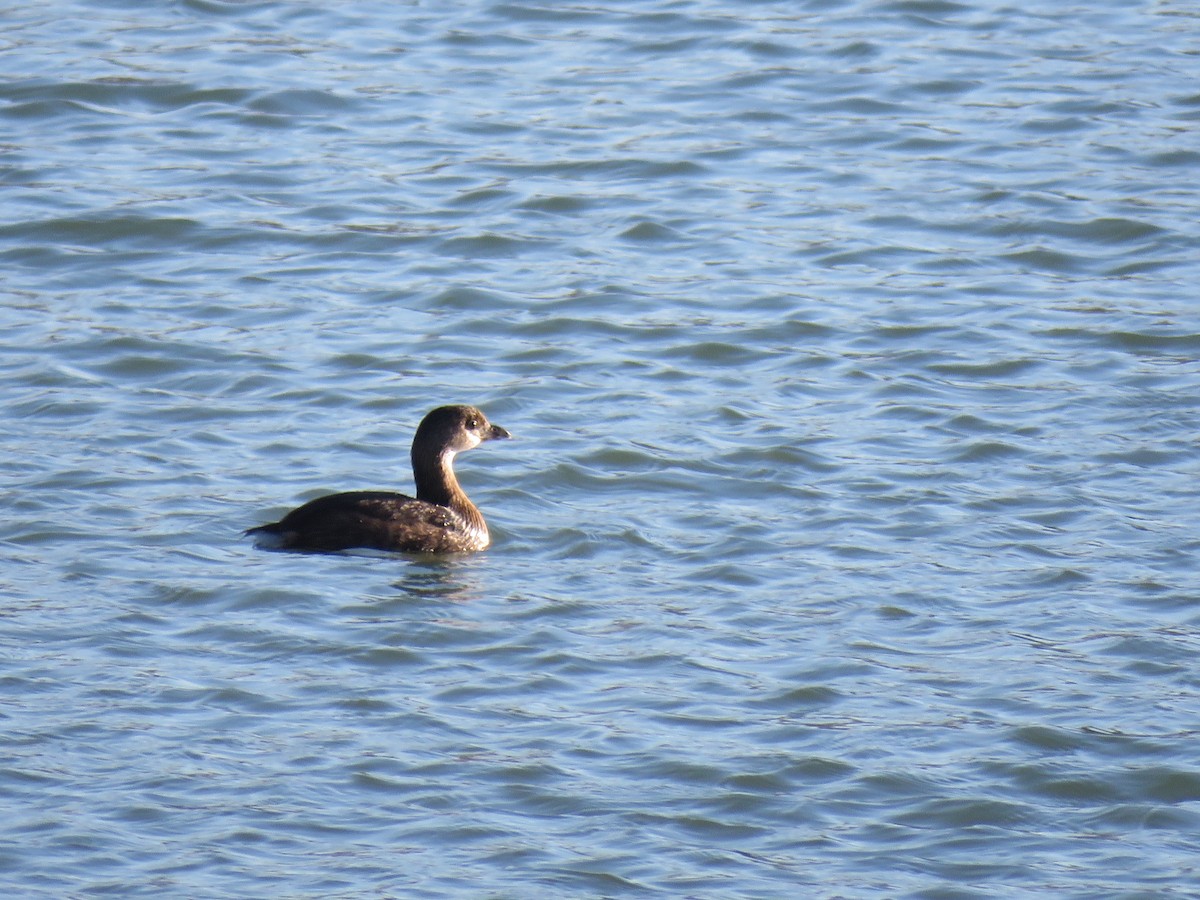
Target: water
(848,545)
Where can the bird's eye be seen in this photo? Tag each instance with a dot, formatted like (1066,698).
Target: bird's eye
(472,424)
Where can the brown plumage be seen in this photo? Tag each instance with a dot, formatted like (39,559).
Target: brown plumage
(440,519)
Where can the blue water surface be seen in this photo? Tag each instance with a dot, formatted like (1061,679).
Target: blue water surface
(848,545)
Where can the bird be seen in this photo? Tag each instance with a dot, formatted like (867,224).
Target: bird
(439,519)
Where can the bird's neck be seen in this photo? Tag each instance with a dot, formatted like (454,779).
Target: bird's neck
(436,483)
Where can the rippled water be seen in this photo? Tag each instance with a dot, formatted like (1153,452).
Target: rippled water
(849,544)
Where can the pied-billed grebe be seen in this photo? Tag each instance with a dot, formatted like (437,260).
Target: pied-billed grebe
(440,519)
